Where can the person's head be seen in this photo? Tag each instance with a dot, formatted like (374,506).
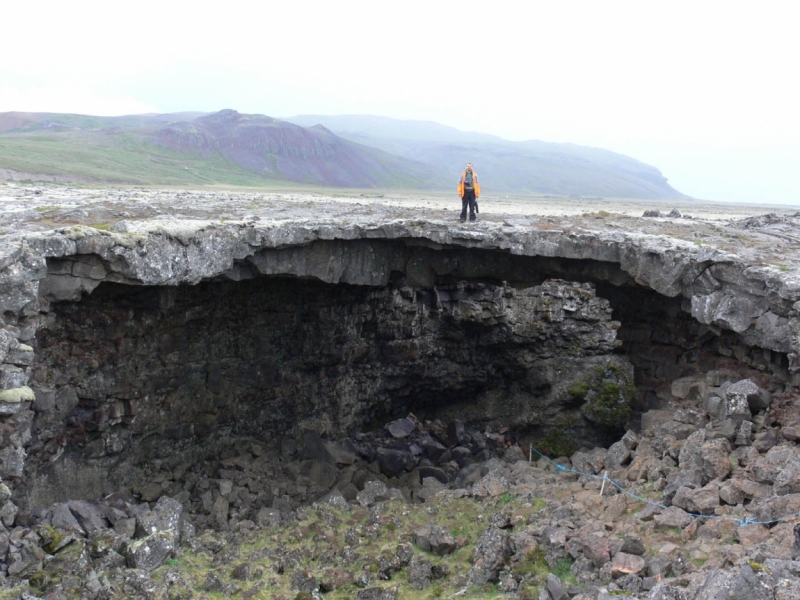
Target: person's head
(469,166)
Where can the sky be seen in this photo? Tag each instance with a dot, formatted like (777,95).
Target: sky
(708,92)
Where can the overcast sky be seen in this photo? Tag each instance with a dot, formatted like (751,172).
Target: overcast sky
(708,92)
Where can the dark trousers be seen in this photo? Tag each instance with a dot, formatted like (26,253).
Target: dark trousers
(468,199)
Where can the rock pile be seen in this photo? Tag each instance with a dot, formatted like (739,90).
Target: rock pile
(713,488)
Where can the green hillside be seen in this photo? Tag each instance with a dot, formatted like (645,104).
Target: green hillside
(118,158)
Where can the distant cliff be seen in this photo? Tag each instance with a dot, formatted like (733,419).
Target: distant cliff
(504,166)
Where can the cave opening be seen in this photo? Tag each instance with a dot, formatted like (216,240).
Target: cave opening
(136,386)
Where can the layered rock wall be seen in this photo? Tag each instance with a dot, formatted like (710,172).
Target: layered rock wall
(758,306)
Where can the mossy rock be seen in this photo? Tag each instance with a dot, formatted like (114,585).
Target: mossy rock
(606,392)
(609,405)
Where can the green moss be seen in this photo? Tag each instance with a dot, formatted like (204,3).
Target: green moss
(578,390)
(757,566)
(51,538)
(608,401)
(558,442)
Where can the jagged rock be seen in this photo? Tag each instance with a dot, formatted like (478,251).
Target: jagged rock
(704,501)
(663,591)
(374,491)
(690,457)
(456,433)
(489,555)
(678,479)
(376,594)
(401,428)
(766,468)
(730,492)
(430,487)
(787,480)
(88,515)
(63,518)
(491,485)
(592,461)
(735,404)
(757,398)
(775,507)
(165,516)
(672,517)
(435,539)
(419,573)
(713,457)
(514,454)
(219,513)
(624,564)
(393,462)
(765,441)
(268,517)
(213,583)
(150,552)
(304,581)
(555,588)
(597,550)
(751,535)
(334,578)
(618,456)
(746,585)
(431,447)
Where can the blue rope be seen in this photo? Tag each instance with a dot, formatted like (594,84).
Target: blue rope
(742,522)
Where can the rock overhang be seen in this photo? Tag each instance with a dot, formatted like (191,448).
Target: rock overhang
(720,288)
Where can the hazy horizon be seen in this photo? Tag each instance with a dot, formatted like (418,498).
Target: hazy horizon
(703,92)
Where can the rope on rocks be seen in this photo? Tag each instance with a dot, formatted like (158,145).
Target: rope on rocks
(742,522)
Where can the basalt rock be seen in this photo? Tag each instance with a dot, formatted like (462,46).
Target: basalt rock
(137,349)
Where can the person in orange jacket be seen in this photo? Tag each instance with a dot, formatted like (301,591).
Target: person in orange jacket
(469,189)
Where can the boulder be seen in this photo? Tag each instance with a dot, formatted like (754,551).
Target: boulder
(766,468)
(787,481)
(705,500)
(374,491)
(419,573)
(596,549)
(555,588)
(618,456)
(757,398)
(489,555)
(591,461)
(401,428)
(88,515)
(672,517)
(435,539)
(165,515)
(457,433)
(491,485)
(152,551)
(393,462)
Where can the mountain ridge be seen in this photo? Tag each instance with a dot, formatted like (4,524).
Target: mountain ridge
(532,166)
(226,147)
(346,151)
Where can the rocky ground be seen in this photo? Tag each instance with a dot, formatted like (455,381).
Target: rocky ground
(701,503)
(764,234)
(700,499)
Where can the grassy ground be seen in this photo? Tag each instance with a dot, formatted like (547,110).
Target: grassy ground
(120,158)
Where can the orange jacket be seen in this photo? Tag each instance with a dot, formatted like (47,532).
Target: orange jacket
(476,186)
